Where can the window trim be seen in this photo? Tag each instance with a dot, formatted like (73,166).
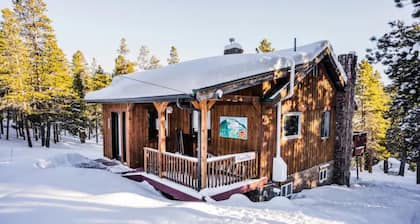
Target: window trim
(329,124)
(323,170)
(299,114)
(287,194)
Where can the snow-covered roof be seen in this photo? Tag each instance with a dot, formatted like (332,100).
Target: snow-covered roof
(183,79)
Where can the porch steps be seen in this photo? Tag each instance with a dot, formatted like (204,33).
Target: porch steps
(183,193)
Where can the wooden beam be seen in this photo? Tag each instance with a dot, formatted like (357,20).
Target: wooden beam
(161,107)
(210,104)
(196,105)
(203,143)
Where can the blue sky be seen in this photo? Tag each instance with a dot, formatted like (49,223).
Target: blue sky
(202,28)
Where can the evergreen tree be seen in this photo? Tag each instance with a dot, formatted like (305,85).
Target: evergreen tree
(173,56)
(415,3)
(143,58)
(122,64)
(15,89)
(48,69)
(265,46)
(80,87)
(373,103)
(154,63)
(399,50)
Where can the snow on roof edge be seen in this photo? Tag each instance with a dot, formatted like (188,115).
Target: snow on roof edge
(204,72)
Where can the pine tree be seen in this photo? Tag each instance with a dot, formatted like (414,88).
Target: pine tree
(122,64)
(373,103)
(100,80)
(265,46)
(173,56)
(15,89)
(48,69)
(414,3)
(153,63)
(143,58)
(399,50)
(80,87)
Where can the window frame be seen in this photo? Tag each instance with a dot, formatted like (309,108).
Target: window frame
(323,174)
(286,189)
(299,114)
(329,124)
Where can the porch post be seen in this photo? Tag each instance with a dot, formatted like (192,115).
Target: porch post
(203,144)
(161,107)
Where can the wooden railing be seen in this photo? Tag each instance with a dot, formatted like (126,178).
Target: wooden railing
(229,169)
(221,170)
(176,167)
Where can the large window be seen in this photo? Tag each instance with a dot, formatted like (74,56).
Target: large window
(291,125)
(325,124)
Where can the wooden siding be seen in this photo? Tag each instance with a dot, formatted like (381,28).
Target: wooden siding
(223,146)
(313,95)
(136,130)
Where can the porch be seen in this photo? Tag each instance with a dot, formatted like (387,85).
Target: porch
(220,170)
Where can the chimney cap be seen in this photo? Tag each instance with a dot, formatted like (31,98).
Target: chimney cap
(233,47)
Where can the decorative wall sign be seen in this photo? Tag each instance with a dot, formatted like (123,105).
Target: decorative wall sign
(233,127)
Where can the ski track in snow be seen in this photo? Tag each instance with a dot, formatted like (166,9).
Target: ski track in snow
(42,186)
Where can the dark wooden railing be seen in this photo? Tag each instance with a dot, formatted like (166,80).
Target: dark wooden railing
(221,170)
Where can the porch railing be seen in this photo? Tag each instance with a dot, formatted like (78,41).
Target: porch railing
(178,168)
(221,170)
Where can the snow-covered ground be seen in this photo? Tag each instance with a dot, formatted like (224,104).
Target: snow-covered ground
(45,186)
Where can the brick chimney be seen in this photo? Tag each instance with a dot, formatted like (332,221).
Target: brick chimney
(344,115)
(233,47)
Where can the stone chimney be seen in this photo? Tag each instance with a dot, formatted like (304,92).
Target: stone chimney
(233,47)
(344,115)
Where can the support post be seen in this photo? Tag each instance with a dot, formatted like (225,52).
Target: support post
(161,107)
(203,145)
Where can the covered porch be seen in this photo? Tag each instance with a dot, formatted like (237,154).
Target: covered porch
(197,168)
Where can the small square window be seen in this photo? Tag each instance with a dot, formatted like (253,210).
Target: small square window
(325,124)
(291,125)
(287,189)
(323,175)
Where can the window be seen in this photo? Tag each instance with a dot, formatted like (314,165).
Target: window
(291,125)
(323,175)
(325,124)
(287,189)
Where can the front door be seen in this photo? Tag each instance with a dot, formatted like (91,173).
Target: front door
(118,136)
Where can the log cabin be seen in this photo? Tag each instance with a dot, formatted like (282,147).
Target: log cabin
(283,117)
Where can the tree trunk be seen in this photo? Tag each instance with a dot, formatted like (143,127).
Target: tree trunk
(35,130)
(47,142)
(96,129)
(21,127)
(7,124)
(1,123)
(28,134)
(54,133)
(42,133)
(82,136)
(418,170)
(386,166)
(89,132)
(403,162)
